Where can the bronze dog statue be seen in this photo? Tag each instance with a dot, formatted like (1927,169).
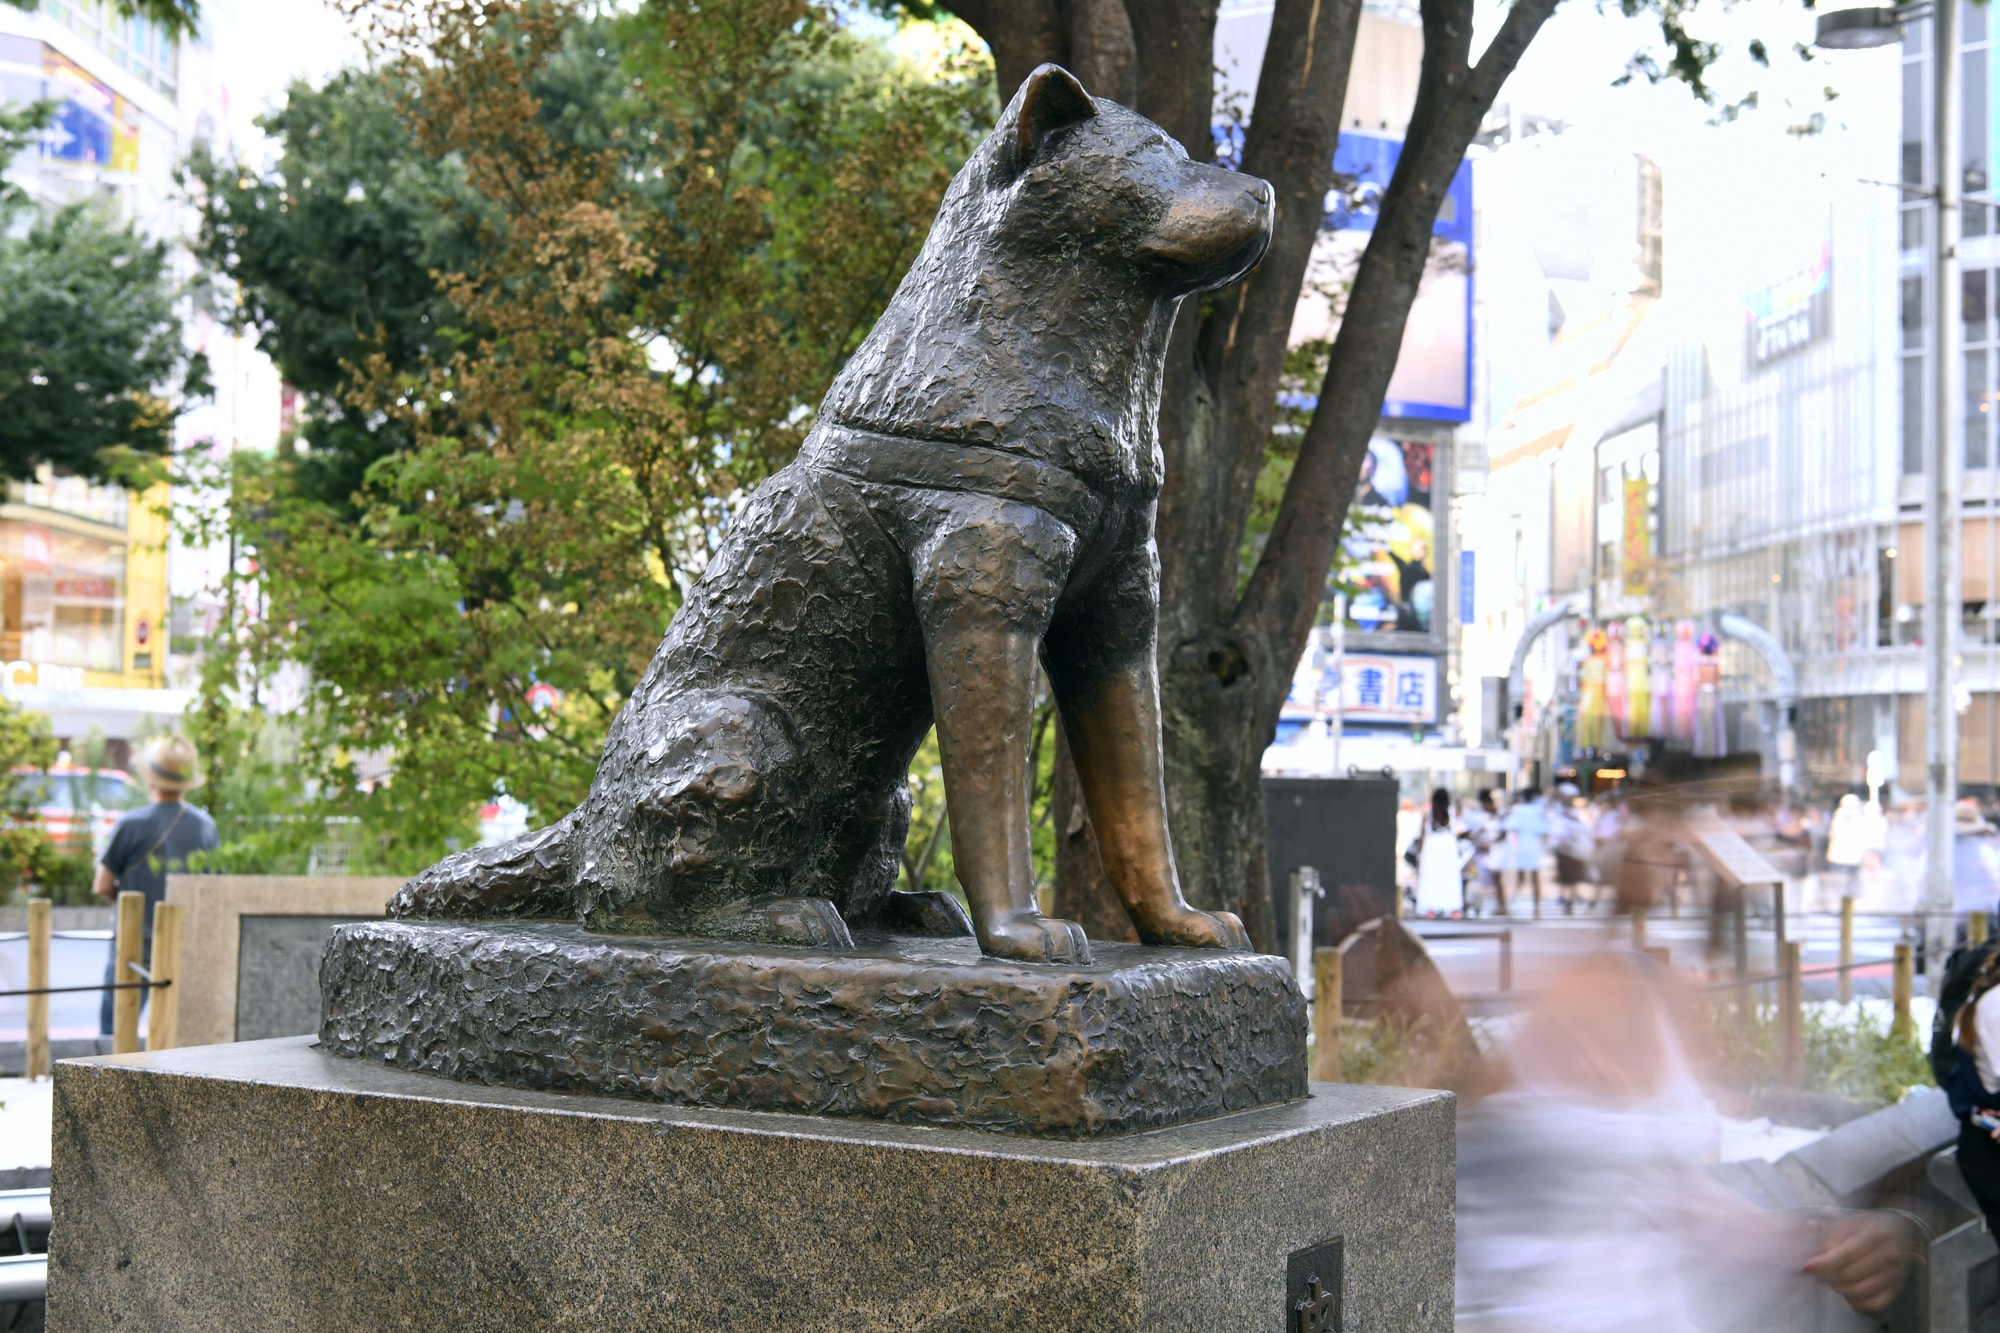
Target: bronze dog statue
(980,486)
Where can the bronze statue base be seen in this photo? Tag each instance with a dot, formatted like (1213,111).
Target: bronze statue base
(912,1030)
(268,1187)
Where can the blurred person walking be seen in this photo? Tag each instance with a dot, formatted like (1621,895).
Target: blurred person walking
(1481,823)
(1584,1202)
(1440,865)
(1975,869)
(147,844)
(1570,835)
(1846,843)
(1528,825)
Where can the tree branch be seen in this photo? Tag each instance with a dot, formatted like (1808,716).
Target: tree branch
(1282,601)
(1240,347)
(1021,34)
(1175,43)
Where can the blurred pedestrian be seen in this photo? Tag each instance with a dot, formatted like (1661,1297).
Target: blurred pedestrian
(1975,859)
(1440,876)
(1846,843)
(147,844)
(1584,1202)
(1527,824)
(1481,824)
(1570,836)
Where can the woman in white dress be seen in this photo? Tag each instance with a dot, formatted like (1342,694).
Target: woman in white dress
(1440,869)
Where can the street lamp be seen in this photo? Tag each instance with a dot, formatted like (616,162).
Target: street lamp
(1859,29)
(1849,29)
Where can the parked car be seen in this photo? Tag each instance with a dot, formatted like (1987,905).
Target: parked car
(76,806)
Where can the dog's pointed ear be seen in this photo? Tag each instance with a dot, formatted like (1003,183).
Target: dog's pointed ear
(1049,100)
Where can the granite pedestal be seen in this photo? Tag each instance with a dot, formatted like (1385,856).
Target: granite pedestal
(269,1185)
(900,1028)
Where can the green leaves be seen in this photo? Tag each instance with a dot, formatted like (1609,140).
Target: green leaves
(178,17)
(91,356)
(560,291)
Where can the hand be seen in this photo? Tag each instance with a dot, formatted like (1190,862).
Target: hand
(1862,1260)
(105,891)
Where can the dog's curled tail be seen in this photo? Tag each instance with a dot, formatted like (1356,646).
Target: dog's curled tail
(528,876)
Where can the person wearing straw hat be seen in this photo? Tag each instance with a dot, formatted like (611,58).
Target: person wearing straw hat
(147,844)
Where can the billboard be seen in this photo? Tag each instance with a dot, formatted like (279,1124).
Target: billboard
(1384,567)
(1433,377)
(93,125)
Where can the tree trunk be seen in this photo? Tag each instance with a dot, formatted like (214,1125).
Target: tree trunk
(1226,649)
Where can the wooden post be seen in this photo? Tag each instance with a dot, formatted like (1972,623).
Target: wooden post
(1326,1015)
(1905,978)
(38,979)
(1791,1002)
(163,1027)
(1975,929)
(126,946)
(1639,929)
(1507,959)
(1846,949)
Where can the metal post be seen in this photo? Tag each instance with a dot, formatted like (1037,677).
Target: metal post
(1742,926)
(163,1028)
(1905,984)
(38,979)
(126,946)
(1791,1002)
(1340,682)
(1941,516)
(1846,949)
(1306,890)
(1326,1015)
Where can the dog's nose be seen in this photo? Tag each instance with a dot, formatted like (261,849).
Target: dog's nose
(1260,190)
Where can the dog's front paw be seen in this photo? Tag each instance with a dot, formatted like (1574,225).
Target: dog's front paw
(1034,938)
(1191,929)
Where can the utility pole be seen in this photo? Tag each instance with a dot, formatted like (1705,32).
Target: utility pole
(1857,29)
(1941,516)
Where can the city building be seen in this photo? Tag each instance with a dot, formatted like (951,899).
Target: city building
(88,572)
(1714,440)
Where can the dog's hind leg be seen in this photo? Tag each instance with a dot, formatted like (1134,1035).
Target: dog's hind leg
(528,876)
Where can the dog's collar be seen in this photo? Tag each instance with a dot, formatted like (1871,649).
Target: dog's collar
(945,465)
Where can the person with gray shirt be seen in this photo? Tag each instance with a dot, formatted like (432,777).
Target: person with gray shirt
(148,844)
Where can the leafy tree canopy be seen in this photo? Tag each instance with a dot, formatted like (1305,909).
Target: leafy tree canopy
(91,354)
(654,238)
(179,17)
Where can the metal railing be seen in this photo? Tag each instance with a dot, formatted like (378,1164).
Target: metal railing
(156,974)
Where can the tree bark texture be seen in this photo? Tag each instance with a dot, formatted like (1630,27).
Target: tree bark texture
(1226,647)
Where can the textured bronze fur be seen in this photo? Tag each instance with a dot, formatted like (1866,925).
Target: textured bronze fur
(979,488)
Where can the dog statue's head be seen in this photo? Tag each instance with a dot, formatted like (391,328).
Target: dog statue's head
(1038,311)
(1076,172)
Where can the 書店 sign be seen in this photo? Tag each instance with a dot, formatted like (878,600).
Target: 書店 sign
(1388,687)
